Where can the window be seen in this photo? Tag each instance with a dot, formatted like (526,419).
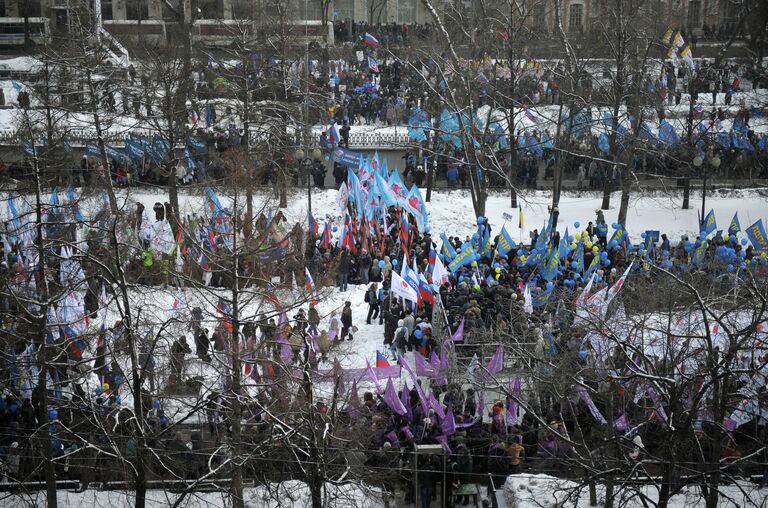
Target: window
(211,9)
(694,14)
(406,11)
(575,16)
(137,9)
(345,9)
(540,15)
(32,8)
(106,9)
(309,10)
(243,9)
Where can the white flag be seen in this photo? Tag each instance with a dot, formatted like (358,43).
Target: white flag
(527,300)
(439,273)
(402,288)
(343,197)
(617,287)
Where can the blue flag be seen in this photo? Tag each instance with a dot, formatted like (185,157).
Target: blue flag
(710,224)
(603,143)
(506,243)
(698,253)
(757,235)
(465,257)
(735,226)
(448,250)
(668,134)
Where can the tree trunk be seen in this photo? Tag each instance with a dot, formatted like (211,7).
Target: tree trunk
(625,190)
(606,195)
(44,440)
(107,177)
(237,470)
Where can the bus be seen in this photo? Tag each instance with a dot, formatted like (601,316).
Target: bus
(12,31)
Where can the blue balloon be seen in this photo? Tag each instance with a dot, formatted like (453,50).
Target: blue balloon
(643,235)
(118,399)
(615,225)
(382,264)
(534,251)
(156,404)
(603,255)
(744,241)
(480,220)
(53,414)
(519,252)
(574,264)
(550,285)
(607,262)
(577,224)
(729,268)
(164,421)
(427,229)
(99,391)
(335,229)
(394,262)
(418,333)
(613,244)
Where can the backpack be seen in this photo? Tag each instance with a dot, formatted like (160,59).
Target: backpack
(367,297)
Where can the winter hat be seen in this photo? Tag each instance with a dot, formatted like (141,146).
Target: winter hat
(400,322)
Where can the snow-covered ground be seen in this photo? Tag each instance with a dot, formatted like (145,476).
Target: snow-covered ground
(291,494)
(451,211)
(543,491)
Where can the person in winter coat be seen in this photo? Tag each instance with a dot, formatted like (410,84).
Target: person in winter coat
(346,321)
(313,318)
(364,265)
(344,266)
(179,349)
(401,338)
(372,299)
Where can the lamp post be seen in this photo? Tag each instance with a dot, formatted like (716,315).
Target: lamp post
(714,161)
(305,168)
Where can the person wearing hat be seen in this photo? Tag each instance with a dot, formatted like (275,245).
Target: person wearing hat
(346,321)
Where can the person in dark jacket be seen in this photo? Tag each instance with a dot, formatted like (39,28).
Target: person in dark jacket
(344,266)
(346,321)
(364,266)
(372,297)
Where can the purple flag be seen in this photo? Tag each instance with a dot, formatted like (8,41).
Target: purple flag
(419,391)
(497,361)
(443,440)
(372,376)
(353,406)
(422,367)
(620,424)
(480,405)
(435,361)
(590,404)
(448,425)
(286,351)
(281,321)
(390,397)
(407,432)
(392,437)
(435,404)
(512,409)
(729,424)
(659,409)
(405,398)
(458,335)
(332,333)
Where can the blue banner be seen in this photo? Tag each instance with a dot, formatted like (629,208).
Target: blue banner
(346,157)
(757,235)
(197,144)
(465,257)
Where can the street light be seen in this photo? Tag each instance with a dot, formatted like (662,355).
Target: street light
(714,161)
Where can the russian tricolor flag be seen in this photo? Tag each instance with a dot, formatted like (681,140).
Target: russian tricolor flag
(313,226)
(371,40)
(381,360)
(333,134)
